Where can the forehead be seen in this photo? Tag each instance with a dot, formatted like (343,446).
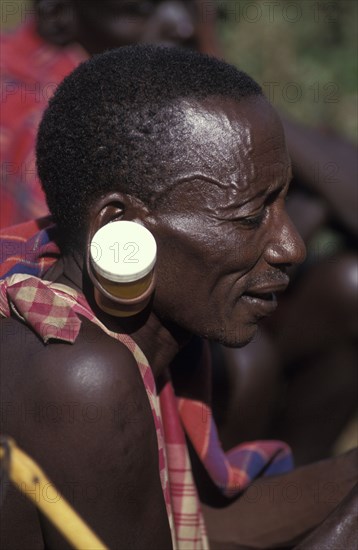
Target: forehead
(240,144)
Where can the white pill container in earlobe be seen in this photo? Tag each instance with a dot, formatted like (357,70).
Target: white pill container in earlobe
(122,260)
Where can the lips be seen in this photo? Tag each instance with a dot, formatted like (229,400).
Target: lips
(262,304)
(262,299)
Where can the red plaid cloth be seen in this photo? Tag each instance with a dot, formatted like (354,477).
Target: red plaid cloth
(31,69)
(28,248)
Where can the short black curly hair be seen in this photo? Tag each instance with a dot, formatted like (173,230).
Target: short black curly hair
(110,126)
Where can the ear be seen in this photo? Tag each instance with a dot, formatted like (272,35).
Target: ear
(57,21)
(115,206)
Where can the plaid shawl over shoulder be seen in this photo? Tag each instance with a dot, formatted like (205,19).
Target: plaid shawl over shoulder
(52,311)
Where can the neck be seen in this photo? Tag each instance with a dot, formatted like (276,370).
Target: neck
(159,341)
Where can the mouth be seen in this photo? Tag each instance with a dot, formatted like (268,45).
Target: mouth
(263,301)
(262,304)
(267,296)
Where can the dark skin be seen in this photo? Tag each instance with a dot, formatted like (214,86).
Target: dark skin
(108,468)
(248,204)
(278,512)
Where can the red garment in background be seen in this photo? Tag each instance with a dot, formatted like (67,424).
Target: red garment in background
(31,69)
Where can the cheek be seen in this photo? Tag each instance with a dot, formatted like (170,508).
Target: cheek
(183,260)
(248,251)
(205,260)
(239,250)
(186,267)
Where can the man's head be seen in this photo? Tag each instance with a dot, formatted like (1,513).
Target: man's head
(119,122)
(188,146)
(99,25)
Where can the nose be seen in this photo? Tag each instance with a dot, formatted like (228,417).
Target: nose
(286,246)
(172,23)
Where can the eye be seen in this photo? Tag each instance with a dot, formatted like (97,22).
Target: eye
(253,221)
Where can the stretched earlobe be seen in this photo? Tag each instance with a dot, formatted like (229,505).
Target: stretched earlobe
(119,259)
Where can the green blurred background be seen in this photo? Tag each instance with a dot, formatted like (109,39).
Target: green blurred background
(303,53)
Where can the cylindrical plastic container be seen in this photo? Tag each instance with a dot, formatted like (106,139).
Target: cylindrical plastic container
(122,257)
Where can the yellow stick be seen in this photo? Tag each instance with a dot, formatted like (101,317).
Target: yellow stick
(30,480)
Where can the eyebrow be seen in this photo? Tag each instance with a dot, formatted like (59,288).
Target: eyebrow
(265,193)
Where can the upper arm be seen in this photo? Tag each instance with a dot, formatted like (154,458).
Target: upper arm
(86,420)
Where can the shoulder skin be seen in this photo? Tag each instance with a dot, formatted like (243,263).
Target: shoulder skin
(81,411)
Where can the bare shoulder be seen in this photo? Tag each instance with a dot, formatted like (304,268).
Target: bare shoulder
(81,382)
(81,411)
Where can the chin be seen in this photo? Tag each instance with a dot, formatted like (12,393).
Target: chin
(235,338)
